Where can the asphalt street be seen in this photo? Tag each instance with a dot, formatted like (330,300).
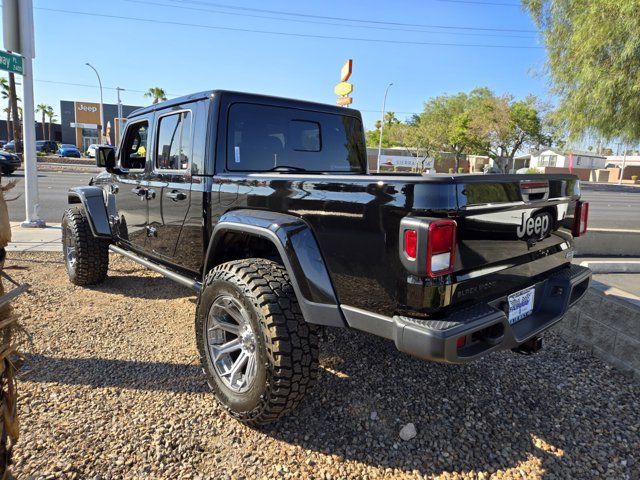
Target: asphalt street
(608,209)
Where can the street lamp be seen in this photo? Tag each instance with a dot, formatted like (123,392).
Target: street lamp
(384,104)
(101,105)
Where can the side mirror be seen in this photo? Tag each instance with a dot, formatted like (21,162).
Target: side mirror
(106,158)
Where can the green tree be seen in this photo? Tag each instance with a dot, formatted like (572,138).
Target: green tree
(503,126)
(43,108)
(594,62)
(157,94)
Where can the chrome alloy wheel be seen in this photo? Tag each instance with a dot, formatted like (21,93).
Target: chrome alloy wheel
(70,249)
(233,346)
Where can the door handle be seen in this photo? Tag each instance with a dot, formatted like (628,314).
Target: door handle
(176,195)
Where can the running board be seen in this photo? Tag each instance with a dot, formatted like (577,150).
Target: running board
(176,277)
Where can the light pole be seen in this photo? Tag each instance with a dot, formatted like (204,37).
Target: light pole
(101,104)
(384,104)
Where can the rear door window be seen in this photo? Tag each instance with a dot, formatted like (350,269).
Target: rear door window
(262,138)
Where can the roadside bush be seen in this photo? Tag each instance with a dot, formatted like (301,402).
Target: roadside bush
(451,170)
(460,170)
(634,178)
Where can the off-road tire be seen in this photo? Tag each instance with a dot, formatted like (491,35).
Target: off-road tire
(92,254)
(287,361)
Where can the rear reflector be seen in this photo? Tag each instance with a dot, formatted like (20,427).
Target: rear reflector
(580,219)
(461,342)
(441,247)
(411,243)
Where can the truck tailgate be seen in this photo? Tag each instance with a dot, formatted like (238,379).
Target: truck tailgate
(505,221)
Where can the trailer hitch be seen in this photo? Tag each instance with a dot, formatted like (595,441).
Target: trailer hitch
(529,347)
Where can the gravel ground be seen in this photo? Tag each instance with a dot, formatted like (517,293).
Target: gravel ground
(112,389)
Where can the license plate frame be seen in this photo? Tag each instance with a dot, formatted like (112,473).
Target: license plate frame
(521,304)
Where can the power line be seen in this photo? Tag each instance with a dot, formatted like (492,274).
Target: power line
(347,19)
(317,22)
(57,82)
(288,34)
(472,2)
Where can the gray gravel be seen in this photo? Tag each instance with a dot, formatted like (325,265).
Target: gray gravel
(112,389)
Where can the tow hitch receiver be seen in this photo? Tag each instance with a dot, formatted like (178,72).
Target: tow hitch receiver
(529,347)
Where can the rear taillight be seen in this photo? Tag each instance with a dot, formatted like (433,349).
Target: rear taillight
(580,219)
(411,243)
(441,247)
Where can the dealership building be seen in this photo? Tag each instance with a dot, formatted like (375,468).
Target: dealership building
(80,122)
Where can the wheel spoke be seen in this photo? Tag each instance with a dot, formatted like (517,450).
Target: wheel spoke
(236,368)
(226,326)
(232,310)
(226,348)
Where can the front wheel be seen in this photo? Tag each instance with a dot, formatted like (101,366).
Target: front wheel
(86,257)
(259,354)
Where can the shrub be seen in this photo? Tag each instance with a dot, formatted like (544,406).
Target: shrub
(451,170)
(460,170)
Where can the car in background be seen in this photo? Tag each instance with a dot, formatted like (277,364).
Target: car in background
(11,146)
(68,150)
(9,162)
(2,143)
(46,146)
(91,151)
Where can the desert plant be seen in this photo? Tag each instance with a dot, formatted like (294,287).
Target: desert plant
(451,170)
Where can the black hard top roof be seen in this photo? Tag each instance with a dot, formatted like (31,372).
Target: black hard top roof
(248,97)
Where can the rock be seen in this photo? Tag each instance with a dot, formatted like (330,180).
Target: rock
(408,432)
(374,415)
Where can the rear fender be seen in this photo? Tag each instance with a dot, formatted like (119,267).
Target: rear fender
(300,254)
(92,200)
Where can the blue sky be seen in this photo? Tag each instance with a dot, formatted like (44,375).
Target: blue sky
(136,55)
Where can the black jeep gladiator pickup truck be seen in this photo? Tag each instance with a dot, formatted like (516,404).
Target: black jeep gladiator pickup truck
(265,208)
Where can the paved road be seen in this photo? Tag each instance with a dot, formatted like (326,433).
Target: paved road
(619,209)
(52,187)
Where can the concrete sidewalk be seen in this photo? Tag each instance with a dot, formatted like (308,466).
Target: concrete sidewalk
(35,239)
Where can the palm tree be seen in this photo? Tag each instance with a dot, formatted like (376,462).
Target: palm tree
(5,92)
(390,118)
(43,108)
(157,93)
(51,115)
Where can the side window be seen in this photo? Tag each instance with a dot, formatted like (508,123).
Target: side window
(174,141)
(134,148)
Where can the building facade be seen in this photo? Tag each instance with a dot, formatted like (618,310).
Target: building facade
(572,159)
(81,122)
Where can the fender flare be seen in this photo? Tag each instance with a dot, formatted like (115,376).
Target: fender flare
(300,253)
(92,200)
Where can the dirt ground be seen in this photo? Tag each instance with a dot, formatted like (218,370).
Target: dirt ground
(112,389)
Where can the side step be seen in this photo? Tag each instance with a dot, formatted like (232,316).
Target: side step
(176,277)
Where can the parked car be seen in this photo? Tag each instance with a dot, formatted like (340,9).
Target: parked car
(11,146)
(280,232)
(46,146)
(9,162)
(68,150)
(91,151)
(2,143)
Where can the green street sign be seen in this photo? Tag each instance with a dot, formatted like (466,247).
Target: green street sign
(10,62)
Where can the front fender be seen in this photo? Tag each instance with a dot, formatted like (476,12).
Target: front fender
(300,254)
(92,200)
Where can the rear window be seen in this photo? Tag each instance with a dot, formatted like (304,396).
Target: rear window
(261,138)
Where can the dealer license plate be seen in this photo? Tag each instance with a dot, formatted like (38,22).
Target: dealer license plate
(520,304)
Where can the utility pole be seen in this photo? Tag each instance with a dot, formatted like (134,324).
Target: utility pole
(624,164)
(17,20)
(384,105)
(120,126)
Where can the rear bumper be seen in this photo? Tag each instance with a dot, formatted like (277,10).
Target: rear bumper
(485,326)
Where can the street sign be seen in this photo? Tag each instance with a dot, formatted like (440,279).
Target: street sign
(345,71)
(343,88)
(344,101)
(11,62)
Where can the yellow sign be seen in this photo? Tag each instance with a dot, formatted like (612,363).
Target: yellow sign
(344,101)
(345,71)
(343,88)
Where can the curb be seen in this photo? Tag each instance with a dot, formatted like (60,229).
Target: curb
(608,266)
(601,242)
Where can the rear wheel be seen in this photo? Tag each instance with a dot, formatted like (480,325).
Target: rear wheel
(259,354)
(86,257)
